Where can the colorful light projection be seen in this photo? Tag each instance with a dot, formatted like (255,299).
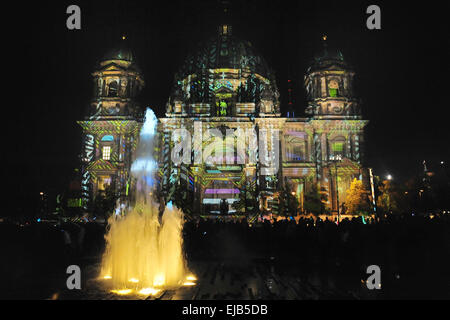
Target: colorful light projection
(108,138)
(223,97)
(237,146)
(222,191)
(218,200)
(120,137)
(86,174)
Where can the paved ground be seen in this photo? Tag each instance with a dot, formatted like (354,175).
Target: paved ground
(230,280)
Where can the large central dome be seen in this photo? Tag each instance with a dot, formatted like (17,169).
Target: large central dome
(225,51)
(225,78)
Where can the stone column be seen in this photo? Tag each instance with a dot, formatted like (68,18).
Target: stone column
(323,87)
(309,141)
(361,147)
(349,147)
(356,150)
(324,146)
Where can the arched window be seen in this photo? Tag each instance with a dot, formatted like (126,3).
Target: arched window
(108,138)
(113,88)
(333,92)
(223,108)
(295,149)
(298,152)
(333,87)
(337,148)
(106,153)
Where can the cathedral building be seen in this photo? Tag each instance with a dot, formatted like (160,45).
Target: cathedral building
(238,153)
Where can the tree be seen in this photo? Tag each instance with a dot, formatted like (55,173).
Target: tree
(105,202)
(357,199)
(247,199)
(388,196)
(315,201)
(288,202)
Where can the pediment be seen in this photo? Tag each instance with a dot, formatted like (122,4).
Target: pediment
(112,67)
(348,163)
(101,164)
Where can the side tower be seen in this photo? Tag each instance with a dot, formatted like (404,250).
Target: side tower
(111,126)
(337,124)
(329,85)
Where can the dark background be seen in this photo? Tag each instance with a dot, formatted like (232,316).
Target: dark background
(401,72)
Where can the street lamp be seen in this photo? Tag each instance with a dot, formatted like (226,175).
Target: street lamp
(293,194)
(420,193)
(389,178)
(372,189)
(445,168)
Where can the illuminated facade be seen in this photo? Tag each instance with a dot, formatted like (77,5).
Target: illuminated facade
(111,126)
(224,89)
(227,86)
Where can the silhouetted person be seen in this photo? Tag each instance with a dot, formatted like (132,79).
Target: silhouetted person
(223,207)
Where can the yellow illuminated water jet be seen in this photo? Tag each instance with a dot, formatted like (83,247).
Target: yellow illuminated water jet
(122,291)
(149,291)
(144,251)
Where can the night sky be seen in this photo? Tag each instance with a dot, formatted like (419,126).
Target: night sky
(400,73)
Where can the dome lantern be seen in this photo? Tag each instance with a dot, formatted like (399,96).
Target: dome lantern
(225,77)
(117,81)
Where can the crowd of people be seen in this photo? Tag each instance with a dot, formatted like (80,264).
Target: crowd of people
(413,252)
(35,255)
(413,249)
(309,238)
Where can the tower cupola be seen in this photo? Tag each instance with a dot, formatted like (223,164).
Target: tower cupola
(329,86)
(117,82)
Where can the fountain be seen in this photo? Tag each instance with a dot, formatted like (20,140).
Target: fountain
(144,249)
